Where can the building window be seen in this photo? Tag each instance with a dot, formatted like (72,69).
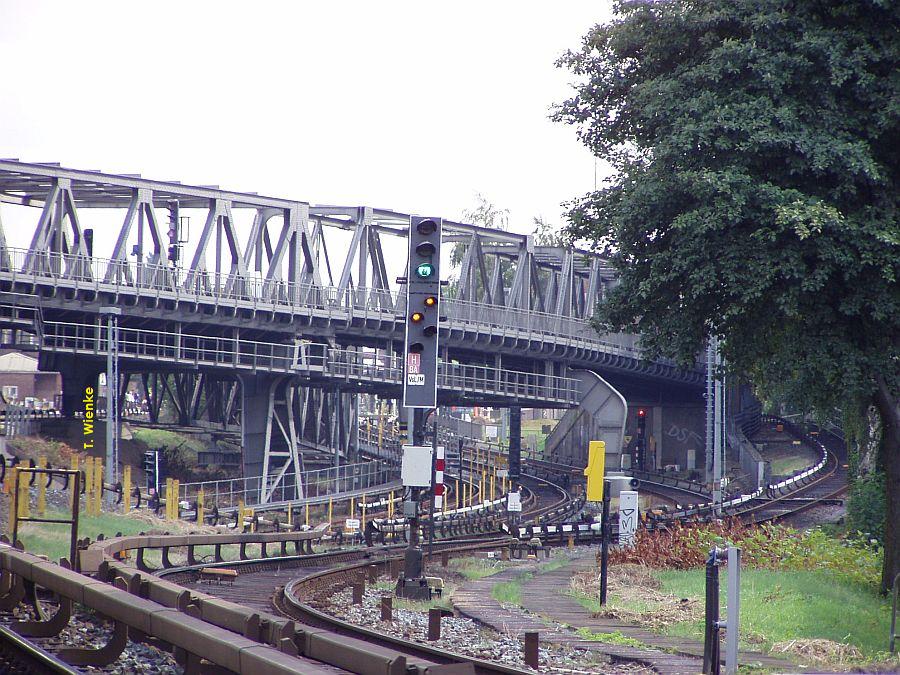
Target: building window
(10,391)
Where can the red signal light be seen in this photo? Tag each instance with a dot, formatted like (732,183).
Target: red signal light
(641,412)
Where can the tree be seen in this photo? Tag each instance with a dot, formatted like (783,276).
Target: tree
(547,234)
(484,214)
(754,195)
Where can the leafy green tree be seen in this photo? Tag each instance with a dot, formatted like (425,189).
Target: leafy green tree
(755,150)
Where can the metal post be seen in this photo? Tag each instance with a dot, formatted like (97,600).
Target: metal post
(710,410)
(604,541)
(112,396)
(894,613)
(734,609)
(718,454)
(711,665)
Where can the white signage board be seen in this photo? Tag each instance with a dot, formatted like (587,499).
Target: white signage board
(352,523)
(513,501)
(502,473)
(628,517)
(415,467)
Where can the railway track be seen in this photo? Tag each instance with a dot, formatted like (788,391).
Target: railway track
(20,655)
(291,584)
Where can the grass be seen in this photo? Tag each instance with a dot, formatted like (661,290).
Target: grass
(477,568)
(616,638)
(785,466)
(52,540)
(781,606)
(533,428)
(157,438)
(509,592)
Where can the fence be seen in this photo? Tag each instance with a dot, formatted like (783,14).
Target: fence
(302,487)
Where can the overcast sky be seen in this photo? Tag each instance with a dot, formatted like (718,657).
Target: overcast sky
(412,106)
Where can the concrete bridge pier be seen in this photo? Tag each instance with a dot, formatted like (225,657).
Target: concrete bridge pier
(257,399)
(77,375)
(600,416)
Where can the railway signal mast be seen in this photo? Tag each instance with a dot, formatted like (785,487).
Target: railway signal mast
(420,364)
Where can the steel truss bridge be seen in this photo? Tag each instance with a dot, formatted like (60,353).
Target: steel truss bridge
(285,311)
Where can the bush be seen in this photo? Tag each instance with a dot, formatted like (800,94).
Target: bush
(866,506)
(764,547)
(58,454)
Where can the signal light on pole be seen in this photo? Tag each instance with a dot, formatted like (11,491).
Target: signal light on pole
(423,289)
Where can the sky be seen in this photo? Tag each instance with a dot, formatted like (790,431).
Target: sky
(410,106)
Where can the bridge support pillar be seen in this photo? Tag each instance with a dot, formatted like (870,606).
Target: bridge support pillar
(257,393)
(77,376)
(600,416)
(515,443)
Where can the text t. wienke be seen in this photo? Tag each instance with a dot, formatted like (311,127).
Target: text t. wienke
(88,421)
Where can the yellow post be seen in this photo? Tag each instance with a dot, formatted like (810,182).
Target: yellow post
(72,496)
(290,515)
(11,478)
(306,514)
(391,505)
(200,502)
(456,494)
(352,508)
(126,489)
(168,499)
(240,520)
(493,480)
(594,471)
(24,495)
(362,524)
(175,486)
(42,487)
(89,486)
(250,513)
(330,508)
(98,485)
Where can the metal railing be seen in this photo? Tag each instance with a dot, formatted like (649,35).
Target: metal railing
(312,359)
(314,484)
(164,281)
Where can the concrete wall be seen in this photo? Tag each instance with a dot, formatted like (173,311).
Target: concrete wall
(672,430)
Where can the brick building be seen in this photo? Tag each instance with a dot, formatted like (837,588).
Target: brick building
(20,380)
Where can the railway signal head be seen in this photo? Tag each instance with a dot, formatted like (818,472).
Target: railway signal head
(423,287)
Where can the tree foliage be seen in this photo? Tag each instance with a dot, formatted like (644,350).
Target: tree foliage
(755,150)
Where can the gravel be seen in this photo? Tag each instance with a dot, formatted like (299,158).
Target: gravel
(467,637)
(85,630)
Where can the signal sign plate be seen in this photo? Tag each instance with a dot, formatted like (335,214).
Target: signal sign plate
(414,375)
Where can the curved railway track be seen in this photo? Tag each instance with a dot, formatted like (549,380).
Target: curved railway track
(274,583)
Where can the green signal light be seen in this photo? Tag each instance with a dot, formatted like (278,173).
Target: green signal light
(425,271)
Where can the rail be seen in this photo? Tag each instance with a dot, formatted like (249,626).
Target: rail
(192,637)
(799,479)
